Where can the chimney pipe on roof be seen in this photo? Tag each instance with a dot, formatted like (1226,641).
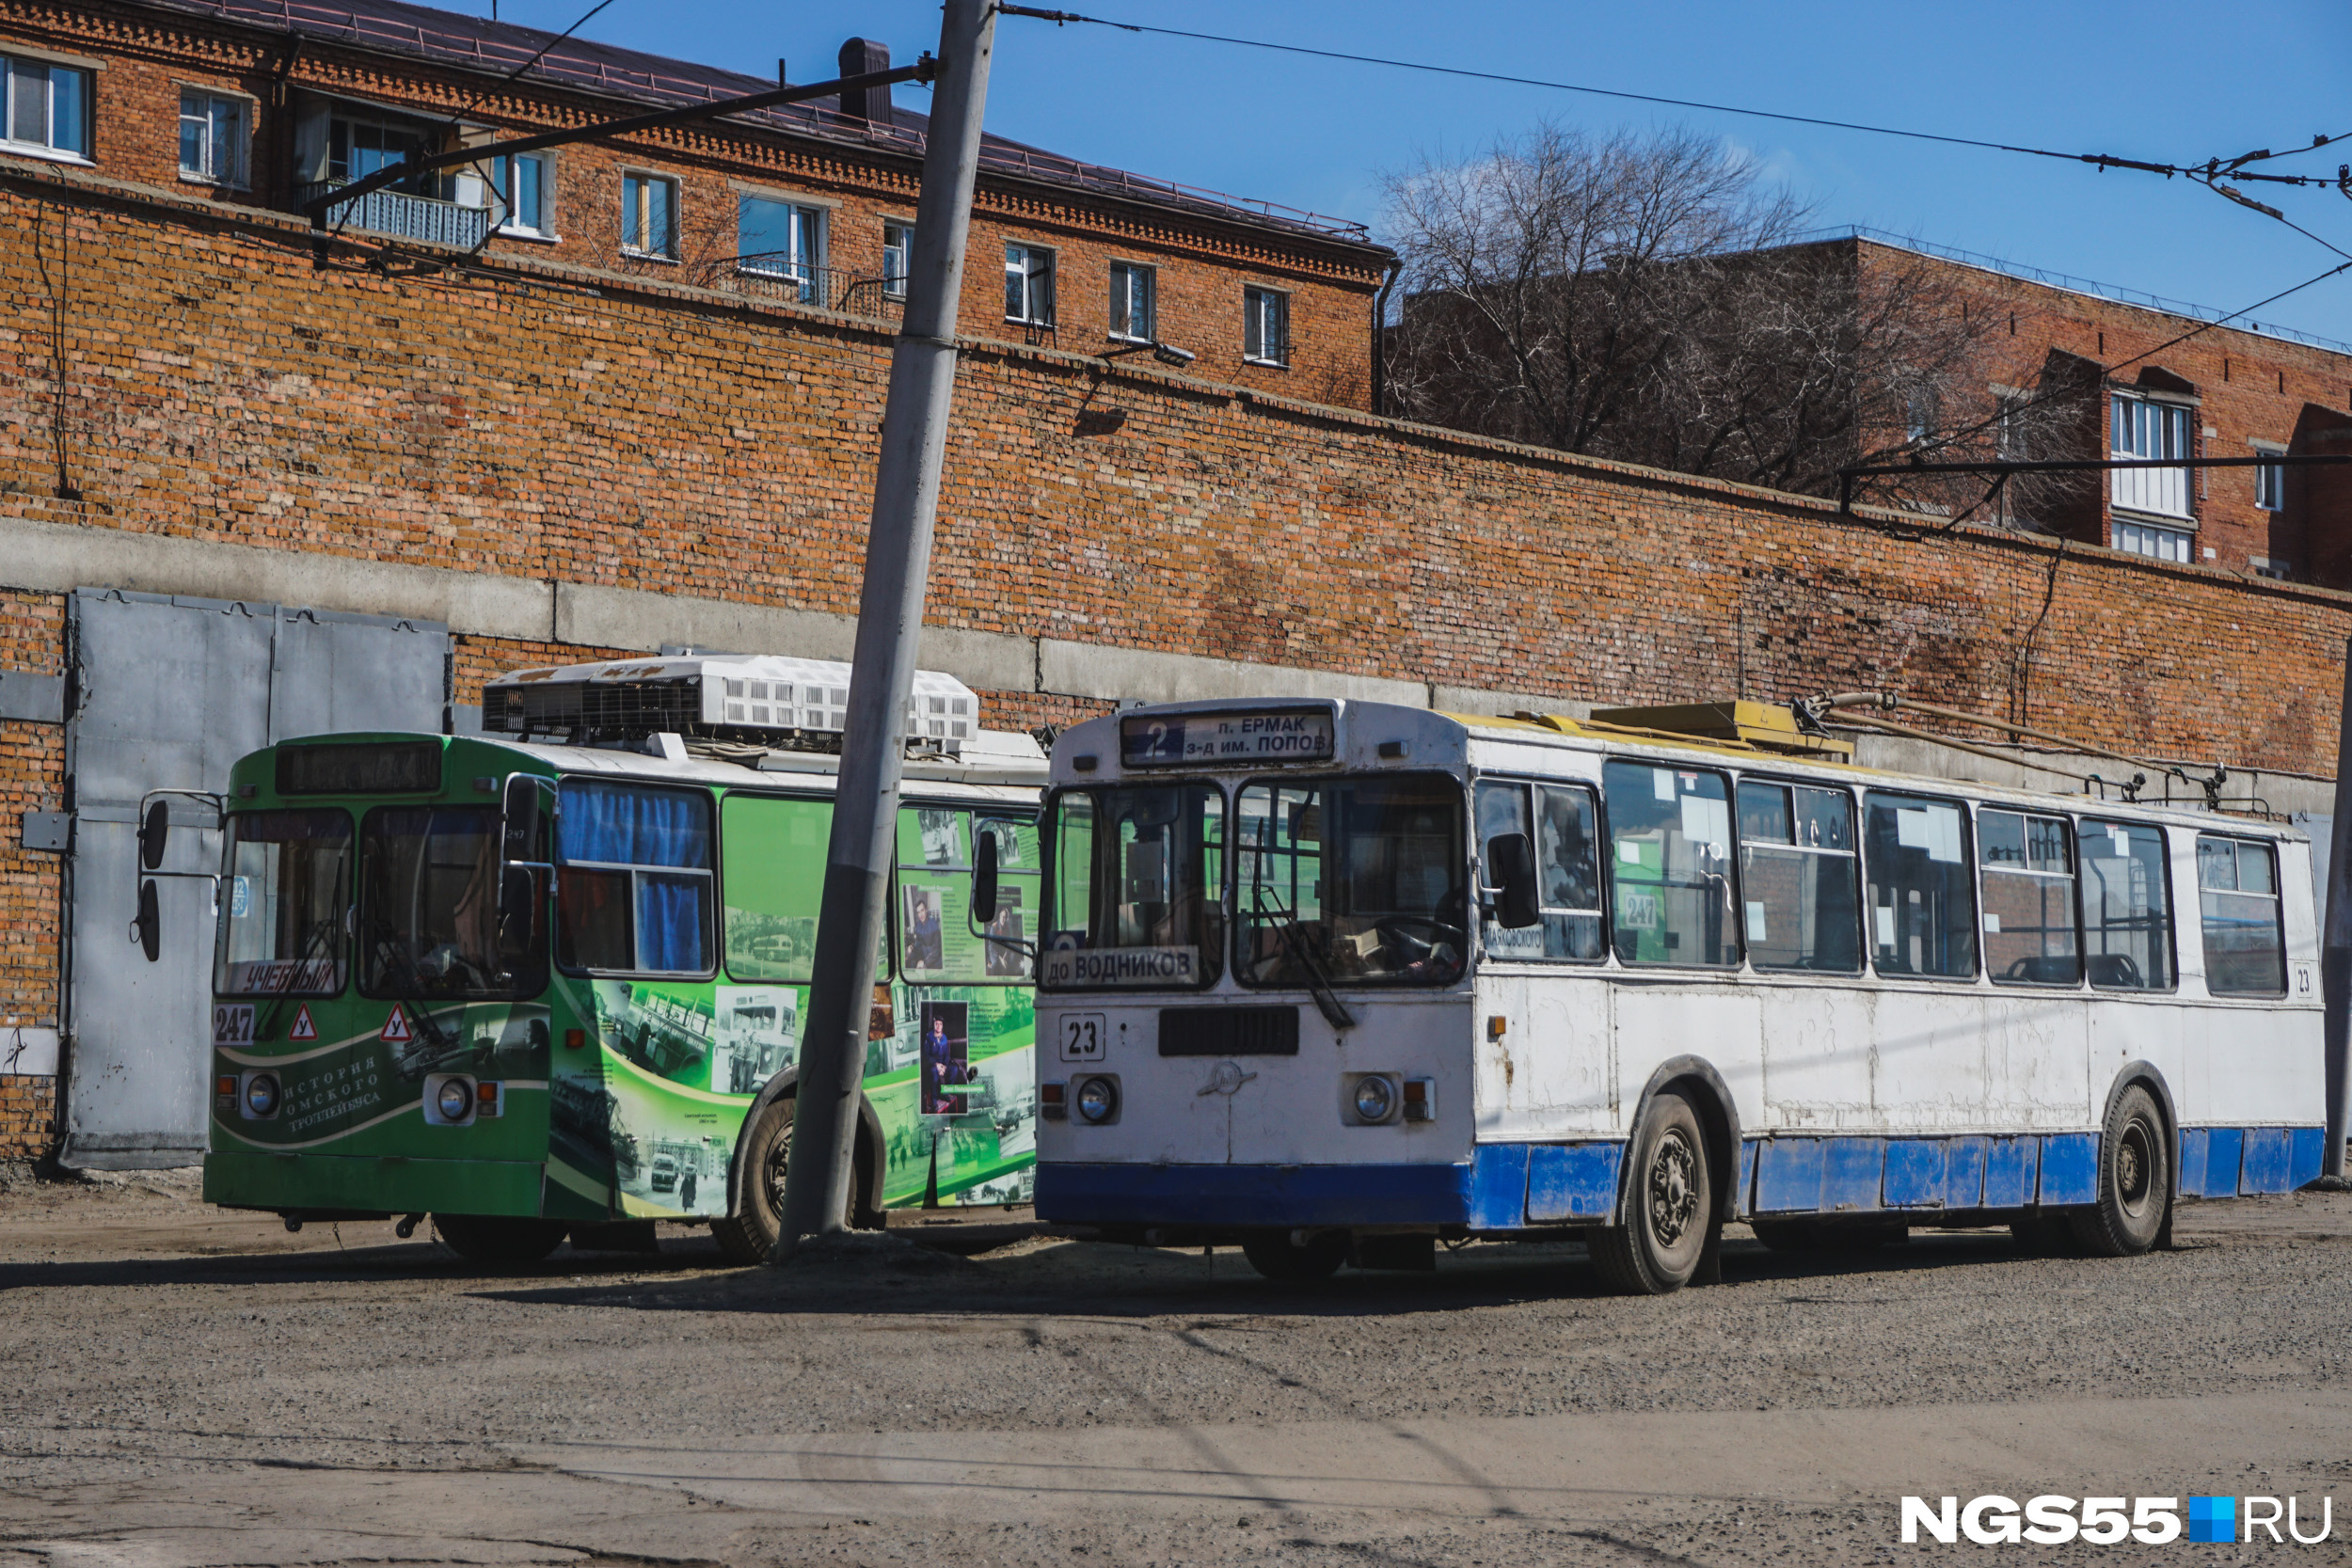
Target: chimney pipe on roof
(861,57)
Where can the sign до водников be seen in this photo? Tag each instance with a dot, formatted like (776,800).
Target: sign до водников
(1163,740)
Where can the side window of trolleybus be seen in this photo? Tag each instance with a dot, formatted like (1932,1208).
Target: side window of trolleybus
(634,892)
(2237,898)
(2127,907)
(2028,868)
(1567,867)
(1670,864)
(936,944)
(429,921)
(1139,888)
(1799,883)
(282,904)
(1351,880)
(771,853)
(1923,914)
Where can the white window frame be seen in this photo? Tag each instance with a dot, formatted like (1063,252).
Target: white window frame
(228,166)
(501,175)
(639,220)
(2157,544)
(1255,300)
(2270,478)
(1027,266)
(1126,277)
(2144,428)
(898,242)
(14,77)
(807,232)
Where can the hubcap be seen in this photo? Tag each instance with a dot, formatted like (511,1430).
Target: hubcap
(779,1156)
(2134,1168)
(1673,1192)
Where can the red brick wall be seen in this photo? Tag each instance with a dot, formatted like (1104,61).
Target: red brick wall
(32,768)
(1202,264)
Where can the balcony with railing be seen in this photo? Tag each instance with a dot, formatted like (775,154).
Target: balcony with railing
(778,277)
(425,219)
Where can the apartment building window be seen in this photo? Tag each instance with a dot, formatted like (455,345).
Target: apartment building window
(1135,314)
(1029,285)
(214,135)
(47,108)
(2159,544)
(784,240)
(2270,478)
(2008,426)
(898,255)
(359,148)
(2143,428)
(649,216)
(523,187)
(1265,326)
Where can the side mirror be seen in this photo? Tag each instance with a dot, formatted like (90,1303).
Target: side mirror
(518,891)
(148,930)
(984,880)
(525,813)
(154,834)
(1510,862)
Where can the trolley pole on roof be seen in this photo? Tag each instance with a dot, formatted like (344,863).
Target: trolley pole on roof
(2335,948)
(849,920)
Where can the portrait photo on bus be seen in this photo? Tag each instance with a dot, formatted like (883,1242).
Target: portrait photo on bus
(946,1036)
(924,951)
(1004,956)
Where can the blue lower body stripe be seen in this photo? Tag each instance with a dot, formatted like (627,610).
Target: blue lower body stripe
(1512,1186)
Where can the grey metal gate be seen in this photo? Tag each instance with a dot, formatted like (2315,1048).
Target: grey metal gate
(167,693)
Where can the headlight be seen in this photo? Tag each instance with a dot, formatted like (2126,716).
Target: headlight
(1098,1100)
(261,1095)
(1376,1098)
(454,1099)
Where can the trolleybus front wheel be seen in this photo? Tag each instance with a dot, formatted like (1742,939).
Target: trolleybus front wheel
(1273,1254)
(499,1238)
(1669,1205)
(2135,1181)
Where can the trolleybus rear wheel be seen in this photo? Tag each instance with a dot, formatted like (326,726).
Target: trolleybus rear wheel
(1669,1205)
(2135,1181)
(499,1238)
(1273,1254)
(748,1235)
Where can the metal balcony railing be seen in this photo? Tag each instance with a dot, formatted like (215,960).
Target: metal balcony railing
(769,276)
(422,219)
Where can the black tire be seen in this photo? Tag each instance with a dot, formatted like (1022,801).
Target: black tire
(1669,1205)
(499,1238)
(2135,1181)
(748,1235)
(1272,1254)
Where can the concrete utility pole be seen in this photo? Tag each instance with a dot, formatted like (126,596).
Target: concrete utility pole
(2335,946)
(889,626)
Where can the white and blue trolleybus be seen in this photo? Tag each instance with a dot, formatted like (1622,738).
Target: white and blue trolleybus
(1337,981)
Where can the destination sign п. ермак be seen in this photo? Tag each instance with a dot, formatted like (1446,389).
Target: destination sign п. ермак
(1206,739)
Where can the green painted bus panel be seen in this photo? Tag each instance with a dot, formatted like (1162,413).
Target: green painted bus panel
(391,1186)
(634,1092)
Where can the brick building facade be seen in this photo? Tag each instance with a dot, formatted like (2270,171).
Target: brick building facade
(2162,382)
(557,461)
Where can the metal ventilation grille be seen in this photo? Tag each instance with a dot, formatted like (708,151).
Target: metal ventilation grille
(602,710)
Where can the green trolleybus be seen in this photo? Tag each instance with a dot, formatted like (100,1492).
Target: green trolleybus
(551,979)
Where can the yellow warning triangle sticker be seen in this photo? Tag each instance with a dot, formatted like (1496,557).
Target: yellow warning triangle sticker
(303,1028)
(396,1027)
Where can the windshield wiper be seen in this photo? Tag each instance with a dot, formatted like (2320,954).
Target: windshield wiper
(1294,943)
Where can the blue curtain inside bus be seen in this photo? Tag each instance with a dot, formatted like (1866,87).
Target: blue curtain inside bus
(629,825)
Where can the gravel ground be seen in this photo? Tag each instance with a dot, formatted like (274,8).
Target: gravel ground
(181,1386)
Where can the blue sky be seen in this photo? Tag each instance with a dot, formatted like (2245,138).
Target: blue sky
(2167,82)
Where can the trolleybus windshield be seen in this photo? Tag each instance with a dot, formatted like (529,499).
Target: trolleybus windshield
(282,904)
(1355,880)
(429,916)
(1137,895)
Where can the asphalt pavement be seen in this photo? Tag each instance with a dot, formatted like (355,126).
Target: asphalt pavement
(183,1387)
